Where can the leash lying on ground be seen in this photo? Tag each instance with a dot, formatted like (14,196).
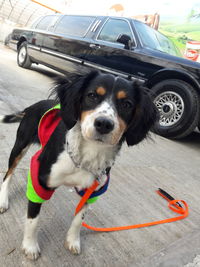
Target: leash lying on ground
(173,204)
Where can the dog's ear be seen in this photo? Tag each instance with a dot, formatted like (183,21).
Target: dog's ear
(144,117)
(69,93)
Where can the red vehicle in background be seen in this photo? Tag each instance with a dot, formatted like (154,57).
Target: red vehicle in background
(192,51)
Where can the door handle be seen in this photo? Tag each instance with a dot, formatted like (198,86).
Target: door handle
(94,46)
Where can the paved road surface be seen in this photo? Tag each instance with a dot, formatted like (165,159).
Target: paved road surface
(139,171)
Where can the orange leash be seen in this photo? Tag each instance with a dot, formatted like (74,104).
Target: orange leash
(173,204)
(86,196)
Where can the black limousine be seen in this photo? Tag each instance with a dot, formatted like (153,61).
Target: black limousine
(122,46)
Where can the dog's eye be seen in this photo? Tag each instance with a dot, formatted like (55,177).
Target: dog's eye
(126,104)
(92,96)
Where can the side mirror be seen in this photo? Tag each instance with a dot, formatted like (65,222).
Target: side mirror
(126,40)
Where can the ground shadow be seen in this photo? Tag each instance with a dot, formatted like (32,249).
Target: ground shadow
(192,140)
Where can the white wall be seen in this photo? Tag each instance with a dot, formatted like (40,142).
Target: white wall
(6,27)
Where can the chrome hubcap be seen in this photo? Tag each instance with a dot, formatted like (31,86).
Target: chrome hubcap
(170,106)
(22,54)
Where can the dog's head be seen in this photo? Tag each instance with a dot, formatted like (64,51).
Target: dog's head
(110,109)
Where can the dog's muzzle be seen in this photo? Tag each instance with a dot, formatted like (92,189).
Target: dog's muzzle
(103,125)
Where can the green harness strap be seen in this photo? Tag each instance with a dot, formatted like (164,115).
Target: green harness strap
(30,192)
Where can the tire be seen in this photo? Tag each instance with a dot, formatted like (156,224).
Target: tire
(178,105)
(23,59)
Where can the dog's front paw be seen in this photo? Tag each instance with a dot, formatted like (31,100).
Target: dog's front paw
(73,244)
(3,208)
(4,204)
(31,250)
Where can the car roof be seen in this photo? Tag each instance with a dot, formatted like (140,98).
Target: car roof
(98,16)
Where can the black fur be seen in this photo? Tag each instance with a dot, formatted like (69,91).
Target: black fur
(16,117)
(69,93)
(144,118)
(27,132)
(50,153)
(33,209)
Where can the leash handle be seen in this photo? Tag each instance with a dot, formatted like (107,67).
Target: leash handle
(167,196)
(173,204)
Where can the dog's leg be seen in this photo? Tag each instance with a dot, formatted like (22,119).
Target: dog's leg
(30,244)
(4,203)
(15,157)
(72,241)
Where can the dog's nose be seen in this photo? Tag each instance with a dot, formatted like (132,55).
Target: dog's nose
(103,125)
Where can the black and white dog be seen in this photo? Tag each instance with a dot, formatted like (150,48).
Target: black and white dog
(99,112)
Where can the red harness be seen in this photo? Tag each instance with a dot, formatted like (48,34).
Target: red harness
(47,125)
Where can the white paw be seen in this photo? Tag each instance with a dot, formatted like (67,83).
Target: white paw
(4,203)
(31,250)
(73,245)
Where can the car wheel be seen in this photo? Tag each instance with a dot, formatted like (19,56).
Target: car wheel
(23,59)
(178,105)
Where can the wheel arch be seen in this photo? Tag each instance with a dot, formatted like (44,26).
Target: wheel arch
(168,74)
(21,40)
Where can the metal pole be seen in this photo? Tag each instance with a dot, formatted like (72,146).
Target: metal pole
(22,12)
(13,7)
(2,4)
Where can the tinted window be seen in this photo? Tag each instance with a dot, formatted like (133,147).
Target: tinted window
(45,22)
(74,25)
(113,28)
(155,40)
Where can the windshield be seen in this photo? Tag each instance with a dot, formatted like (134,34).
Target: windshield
(155,40)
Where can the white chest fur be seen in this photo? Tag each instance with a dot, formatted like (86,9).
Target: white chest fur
(64,172)
(92,158)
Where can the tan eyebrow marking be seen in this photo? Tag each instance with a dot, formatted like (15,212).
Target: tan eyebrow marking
(101,91)
(121,94)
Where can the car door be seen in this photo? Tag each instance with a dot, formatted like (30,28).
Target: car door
(109,55)
(66,47)
(36,36)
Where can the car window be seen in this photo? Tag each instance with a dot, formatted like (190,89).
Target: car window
(113,28)
(46,22)
(155,40)
(74,25)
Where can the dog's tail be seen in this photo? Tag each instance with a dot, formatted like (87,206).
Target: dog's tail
(16,117)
